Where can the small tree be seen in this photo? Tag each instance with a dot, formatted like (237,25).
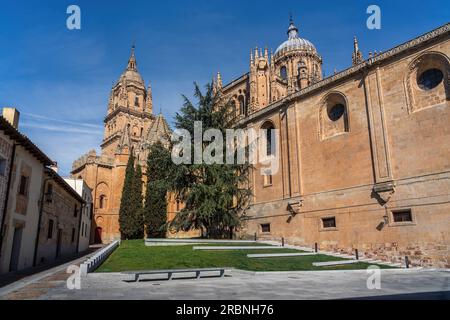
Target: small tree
(159,171)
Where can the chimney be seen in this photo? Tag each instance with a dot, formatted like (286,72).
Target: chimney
(12,116)
(54,166)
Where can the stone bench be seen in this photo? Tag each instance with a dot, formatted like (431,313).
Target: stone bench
(170,272)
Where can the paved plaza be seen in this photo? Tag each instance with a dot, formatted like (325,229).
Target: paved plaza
(237,285)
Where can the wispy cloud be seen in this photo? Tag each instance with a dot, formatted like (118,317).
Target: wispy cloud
(45,118)
(60,128)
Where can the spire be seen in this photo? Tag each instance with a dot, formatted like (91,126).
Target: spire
(149,99)
(132,60)
(292,30)
(124,141)
(219,81)
(357,56)
(159,131)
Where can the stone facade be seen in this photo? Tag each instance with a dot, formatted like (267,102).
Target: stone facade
(19,223)
(364,154)
(130,127)
(86,212)
(60,220)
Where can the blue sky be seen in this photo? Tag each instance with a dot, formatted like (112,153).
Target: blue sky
(60,79)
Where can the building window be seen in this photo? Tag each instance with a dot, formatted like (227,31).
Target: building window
(267,179)
(73,235)
(336,112)
(50,229)
(23,185)
(49,193)
(402,216)
(265,227)
(430,79)
(242,106)
(2,166)
(75,211)
(102,202)
(136,101)
(283,73)
(329,222)
(269,138)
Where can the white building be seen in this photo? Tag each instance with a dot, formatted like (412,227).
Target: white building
(23,171)
(86,212)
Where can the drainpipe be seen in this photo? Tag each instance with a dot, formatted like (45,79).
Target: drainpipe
(5,208)
(41,209)
(79,225)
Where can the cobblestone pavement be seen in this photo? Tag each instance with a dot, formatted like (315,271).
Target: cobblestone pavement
(246,285)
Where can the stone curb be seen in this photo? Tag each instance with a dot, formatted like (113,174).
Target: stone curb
(41,275)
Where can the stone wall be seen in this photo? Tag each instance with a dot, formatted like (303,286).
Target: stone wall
(390,154)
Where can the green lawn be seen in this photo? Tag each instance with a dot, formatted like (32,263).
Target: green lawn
(134,255)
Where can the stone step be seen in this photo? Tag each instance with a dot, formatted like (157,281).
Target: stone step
(236,248)
(333,263)
(276,255)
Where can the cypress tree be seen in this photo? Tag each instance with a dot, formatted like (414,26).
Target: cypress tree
(126,202)
(159,169)
(137,219)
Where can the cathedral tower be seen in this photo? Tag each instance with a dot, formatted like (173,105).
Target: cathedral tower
(130,110)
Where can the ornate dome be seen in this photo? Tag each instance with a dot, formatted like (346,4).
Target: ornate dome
(132,75)
(294,42)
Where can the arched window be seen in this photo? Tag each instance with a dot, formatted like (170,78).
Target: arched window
(242,106)
(283,73)
(102,202)
(333,115)
(269,138)
(136,101)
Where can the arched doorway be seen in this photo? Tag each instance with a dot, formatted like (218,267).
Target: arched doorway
(98,235)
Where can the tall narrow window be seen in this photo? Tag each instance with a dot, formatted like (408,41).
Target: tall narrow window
(2,166)
(242,107)
(75,211)
(73,235)
(23,186)
(50,229)
(102,202)
(136,101)
(283,73)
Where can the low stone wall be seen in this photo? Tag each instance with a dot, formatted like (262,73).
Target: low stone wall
(98,258)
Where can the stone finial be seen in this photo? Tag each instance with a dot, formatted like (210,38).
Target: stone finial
(357,56)
(132,60)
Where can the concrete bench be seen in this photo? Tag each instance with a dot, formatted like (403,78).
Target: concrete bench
(170,272)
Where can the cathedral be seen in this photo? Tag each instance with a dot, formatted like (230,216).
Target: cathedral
(364,153)
(130,127)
